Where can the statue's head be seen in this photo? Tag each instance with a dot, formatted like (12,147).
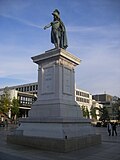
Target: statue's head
(56,13)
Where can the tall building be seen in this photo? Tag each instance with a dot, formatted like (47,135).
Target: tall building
(29,87)
(83,98)
(107,101)
(104,99)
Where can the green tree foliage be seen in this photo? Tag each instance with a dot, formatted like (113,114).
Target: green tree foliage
(85,112)
(118,116)
(15,107)
(116,109)
(7,104)
(5,101)
(104,114)
(93,112)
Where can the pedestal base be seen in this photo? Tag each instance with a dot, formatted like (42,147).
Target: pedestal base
(53,144)
(60,135)
(55,128)
(55,121)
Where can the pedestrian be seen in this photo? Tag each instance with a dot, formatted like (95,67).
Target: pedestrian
(109,128)
(6,122)
(114,129)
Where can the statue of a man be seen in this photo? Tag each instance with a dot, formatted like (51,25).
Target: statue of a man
(58,31)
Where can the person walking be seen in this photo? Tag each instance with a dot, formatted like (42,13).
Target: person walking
(109,128)
(114,129)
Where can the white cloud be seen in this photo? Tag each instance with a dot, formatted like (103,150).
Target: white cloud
(21,20)
(99,70)
(16,65)
(95,29)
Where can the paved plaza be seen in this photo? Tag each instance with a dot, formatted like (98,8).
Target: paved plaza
(109,149)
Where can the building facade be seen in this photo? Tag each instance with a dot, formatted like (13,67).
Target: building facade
(25,99)
(84,99)
(104,99)
(107,101)
(27,94)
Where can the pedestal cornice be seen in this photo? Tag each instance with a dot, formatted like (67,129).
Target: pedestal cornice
(56,53)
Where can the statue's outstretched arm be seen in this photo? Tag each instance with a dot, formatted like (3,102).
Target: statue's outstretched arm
(47,26)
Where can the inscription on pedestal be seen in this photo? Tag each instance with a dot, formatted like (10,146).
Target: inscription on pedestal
(48,80)
(66,81)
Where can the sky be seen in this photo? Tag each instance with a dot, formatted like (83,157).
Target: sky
(93,33)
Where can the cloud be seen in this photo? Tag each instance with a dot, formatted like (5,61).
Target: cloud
(21,20)
(14,64)
(17,71)
(90,36)
(90,39)
(99,72)
(99,49)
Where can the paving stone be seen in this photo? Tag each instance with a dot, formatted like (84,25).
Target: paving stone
(108,149)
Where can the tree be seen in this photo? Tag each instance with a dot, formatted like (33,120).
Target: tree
(118,115)
(93,112)
(5,101)
(85,112)
(104,114)
(116,109)
(15,108)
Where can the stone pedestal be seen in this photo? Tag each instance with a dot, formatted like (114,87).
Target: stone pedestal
(55,119)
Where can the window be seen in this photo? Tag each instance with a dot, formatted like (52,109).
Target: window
(27,88)
(36,87)
(33,87)
(77,92)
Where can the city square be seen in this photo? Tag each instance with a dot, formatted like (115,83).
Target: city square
(44,112)
(107,150)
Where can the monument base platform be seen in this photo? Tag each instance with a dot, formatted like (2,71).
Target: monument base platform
(55,121)
(55,134)
(55,144)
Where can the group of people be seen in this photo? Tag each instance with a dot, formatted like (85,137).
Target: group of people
(112,128)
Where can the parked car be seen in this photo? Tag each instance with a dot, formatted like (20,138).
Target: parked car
(104,124)
(96,123)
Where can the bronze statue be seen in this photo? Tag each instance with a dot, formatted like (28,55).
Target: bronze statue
(58,31)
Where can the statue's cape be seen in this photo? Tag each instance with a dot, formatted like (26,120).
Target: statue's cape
(63,36)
